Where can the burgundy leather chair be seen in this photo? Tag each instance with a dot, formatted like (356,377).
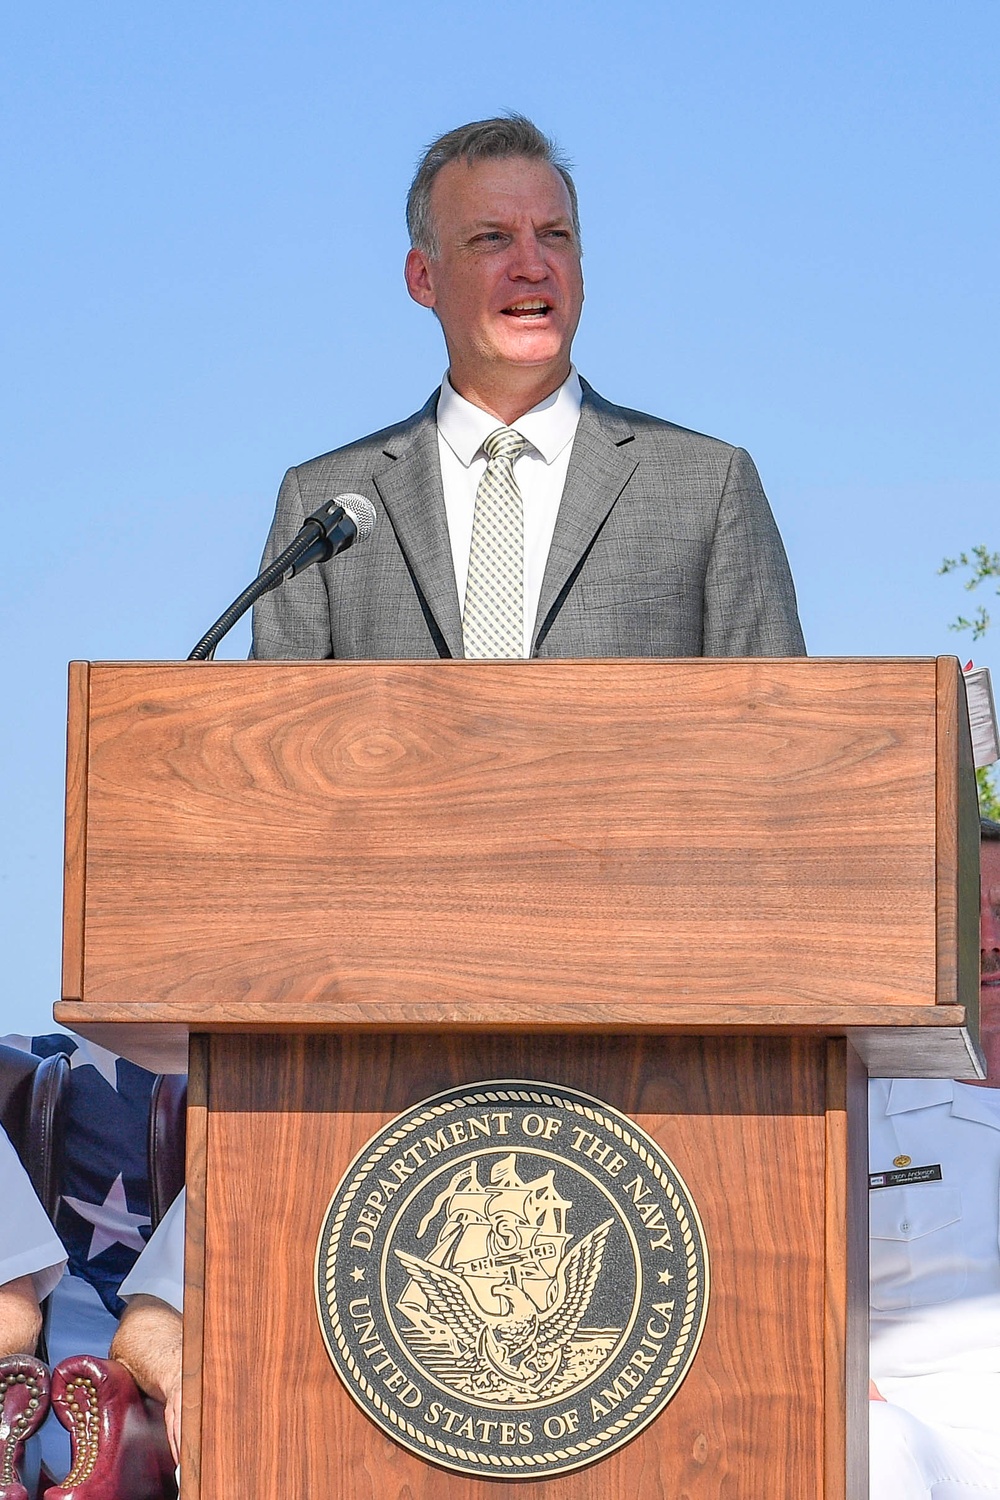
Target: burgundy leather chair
(118,1439)
(24,1404)
(167,1143)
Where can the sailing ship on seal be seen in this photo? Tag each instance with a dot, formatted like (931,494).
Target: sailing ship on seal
(495,1310)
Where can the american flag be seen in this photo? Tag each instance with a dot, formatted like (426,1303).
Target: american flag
(103,1214)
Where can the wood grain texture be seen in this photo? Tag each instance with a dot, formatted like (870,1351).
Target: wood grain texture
(846,1348)
(967,945)
(744,1120)
(957,852)
(457,833)
(856,1264)
(946,850)
(74,858)
(196,1181)
(919,1051)
(897,1042)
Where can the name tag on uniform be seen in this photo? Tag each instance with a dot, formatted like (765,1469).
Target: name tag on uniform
(904,1176)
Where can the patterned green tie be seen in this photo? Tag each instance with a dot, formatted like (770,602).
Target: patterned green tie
(493,618)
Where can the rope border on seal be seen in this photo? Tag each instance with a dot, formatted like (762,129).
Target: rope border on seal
(616,1432)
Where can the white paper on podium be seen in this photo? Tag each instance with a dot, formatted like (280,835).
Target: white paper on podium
(982,716)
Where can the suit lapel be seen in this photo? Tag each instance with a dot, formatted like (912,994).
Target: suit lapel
(601,465)
(409,485)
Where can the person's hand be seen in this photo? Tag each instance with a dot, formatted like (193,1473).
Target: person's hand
(172,1417)
(874,1394)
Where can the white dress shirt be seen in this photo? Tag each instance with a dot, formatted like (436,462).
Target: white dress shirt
(159,1271)
(28,1243)
(540,471)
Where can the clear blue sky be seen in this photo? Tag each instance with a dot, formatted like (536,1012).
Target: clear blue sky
(791,224)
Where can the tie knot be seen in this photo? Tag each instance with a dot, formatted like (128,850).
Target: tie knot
(506,442)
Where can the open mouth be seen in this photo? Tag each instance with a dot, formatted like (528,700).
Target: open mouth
(531,309)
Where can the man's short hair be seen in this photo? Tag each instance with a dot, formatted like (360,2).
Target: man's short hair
(988,829)
(482,140)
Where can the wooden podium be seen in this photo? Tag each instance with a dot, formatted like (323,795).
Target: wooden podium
(713,894)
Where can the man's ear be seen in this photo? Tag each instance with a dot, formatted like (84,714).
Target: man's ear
(419,282)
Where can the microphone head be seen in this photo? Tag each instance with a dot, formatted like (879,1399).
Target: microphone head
(361,511)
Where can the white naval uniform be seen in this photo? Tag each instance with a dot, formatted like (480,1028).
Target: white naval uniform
(935,1291)
(29,1245)
(159,1271)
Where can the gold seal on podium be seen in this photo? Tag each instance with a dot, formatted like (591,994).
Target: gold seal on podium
(512,1279)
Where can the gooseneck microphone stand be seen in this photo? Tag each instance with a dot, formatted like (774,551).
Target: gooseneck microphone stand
(334,527)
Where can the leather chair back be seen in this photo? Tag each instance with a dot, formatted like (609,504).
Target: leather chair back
(167,1142)
(32,1099)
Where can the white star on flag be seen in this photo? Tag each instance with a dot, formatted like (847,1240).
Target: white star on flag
(112,1221)
(100,1058)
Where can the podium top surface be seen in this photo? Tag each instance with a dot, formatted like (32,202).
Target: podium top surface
(602,845)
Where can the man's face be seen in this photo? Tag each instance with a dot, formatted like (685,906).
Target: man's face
(989,954)
(506,283)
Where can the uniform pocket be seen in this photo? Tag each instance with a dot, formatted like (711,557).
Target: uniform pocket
(916,1246)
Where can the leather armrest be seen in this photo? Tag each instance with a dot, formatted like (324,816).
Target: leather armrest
(118,1438)
(24,1404)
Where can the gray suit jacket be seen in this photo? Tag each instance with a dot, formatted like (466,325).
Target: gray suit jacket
(664,546)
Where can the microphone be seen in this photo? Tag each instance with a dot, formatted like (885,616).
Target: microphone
(333,527)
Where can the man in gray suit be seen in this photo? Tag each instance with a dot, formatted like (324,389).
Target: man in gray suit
(519,513)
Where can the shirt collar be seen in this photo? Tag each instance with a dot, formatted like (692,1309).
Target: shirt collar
(981,1105)
(548,427)
(918,1093)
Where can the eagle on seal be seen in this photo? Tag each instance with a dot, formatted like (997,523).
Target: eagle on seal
(519,1345)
